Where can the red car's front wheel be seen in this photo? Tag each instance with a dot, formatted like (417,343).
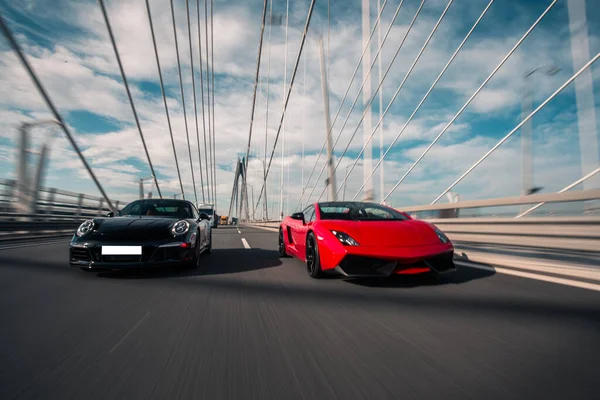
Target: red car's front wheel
(313,261)
(282,252)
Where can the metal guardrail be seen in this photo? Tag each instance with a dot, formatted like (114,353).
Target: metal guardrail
(15,199)
(562,233)
(565,197)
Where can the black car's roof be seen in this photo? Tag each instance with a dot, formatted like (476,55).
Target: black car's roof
(162,201)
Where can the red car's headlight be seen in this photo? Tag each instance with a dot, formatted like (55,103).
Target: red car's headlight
(443,238)
(345,239)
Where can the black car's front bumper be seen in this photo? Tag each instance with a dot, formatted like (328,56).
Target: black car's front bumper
(89,255)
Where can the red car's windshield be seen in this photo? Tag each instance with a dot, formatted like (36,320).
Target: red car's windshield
(359,212)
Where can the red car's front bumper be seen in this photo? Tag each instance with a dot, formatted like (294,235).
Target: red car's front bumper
(386,261)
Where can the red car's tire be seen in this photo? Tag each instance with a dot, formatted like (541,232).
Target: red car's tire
(281,246)
(313,260)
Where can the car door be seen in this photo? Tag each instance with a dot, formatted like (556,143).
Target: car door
(300,229)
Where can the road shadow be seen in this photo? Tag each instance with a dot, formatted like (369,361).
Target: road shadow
(219,262)
(459,276)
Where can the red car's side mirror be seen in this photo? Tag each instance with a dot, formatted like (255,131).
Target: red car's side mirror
(299,216)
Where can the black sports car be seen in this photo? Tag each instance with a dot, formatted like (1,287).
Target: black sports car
(145,233)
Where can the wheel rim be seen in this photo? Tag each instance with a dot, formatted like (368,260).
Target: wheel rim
(310,255)
(281,245)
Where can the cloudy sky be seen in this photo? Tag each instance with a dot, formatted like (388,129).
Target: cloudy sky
(67,43)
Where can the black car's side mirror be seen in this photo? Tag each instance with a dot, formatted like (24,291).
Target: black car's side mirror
(204,216)
(299,216)
(110,214)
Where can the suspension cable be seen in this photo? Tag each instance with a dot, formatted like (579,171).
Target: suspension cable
(214,128)
(516,128)
(187,9)
(208,105)
(183,102)
(406,76)
(473,96)
(285,52)
(304,34)
(368,105)
(424,97)
(164,96)
(267,109)
(206,164)
(124,77)
(367,46)
(17,49)
(256,77)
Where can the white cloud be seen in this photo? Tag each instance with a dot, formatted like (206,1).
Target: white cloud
(80,73)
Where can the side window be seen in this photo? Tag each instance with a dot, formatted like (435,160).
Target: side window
(195,214)
(309,214)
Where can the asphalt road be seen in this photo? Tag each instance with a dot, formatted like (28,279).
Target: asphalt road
(249,325)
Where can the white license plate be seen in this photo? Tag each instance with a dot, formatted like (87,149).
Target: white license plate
(121,250)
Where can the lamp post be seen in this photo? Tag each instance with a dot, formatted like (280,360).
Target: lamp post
(142,185)
(526,130)
(29,189)
(177,194)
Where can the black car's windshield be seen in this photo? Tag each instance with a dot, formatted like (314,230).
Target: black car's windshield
(158,208)
(358,211)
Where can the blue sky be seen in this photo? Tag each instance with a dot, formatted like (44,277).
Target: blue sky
(68,46)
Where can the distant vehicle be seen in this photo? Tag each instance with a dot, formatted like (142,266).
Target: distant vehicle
(145,233)
(209,209)
(224,220)
(358,239)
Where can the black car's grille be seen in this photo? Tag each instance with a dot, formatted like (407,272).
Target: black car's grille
(149,253)
(121,258)
(79,254)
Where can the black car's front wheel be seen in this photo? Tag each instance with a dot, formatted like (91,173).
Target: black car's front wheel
(194,262)
(313,260)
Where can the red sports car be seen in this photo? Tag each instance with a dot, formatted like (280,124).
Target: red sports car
(358,239)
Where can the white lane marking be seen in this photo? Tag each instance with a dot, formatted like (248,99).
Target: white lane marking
(245,243)
(545,278)
(238,229)
(16,246)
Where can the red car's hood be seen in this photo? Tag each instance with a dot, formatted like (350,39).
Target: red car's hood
(387,233)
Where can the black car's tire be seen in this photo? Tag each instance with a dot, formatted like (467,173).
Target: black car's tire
(195,261)
(313,260)
(281,246)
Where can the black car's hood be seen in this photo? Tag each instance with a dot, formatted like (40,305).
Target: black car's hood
(144,228)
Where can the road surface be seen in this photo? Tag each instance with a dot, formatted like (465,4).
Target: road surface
(249,325)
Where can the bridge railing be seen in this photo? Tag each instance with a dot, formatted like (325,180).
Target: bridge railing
(52,212)
(49,201)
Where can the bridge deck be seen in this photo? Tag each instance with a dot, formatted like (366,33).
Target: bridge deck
(251,325)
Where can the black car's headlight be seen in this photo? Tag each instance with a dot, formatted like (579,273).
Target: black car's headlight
(443,238)
(180,228)
(85,228)
(344,238)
